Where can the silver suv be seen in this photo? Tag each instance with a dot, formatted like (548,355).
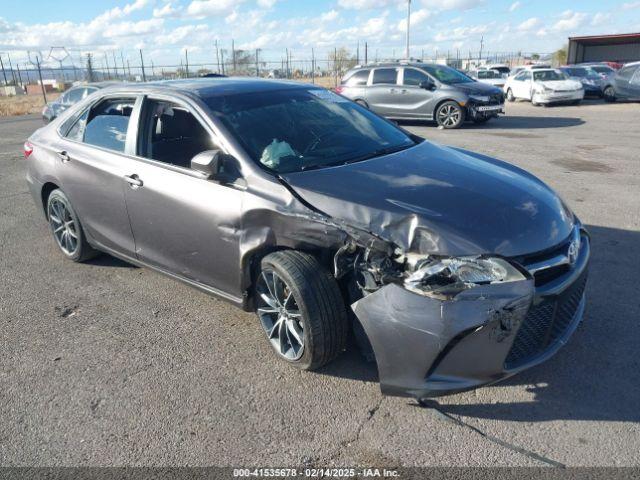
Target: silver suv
(421,91)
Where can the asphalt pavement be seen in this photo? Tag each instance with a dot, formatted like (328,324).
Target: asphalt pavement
(107,364)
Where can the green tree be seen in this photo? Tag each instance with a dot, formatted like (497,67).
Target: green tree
(560,56)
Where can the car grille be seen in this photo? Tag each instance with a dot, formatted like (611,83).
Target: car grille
(545,324)
(496,99)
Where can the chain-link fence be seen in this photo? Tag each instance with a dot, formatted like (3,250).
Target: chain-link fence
(39,72)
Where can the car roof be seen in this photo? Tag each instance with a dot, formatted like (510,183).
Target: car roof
(397,64)
(213,87)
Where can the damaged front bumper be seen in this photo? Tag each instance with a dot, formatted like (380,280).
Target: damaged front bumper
(425,347)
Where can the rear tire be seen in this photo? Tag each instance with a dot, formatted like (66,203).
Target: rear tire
(300,307)
(609,94)
(510,96)
(66,228)
(450,115)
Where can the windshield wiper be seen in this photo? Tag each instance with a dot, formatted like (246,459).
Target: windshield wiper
(377,153)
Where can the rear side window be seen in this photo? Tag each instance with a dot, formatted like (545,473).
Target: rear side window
(414,77)
(385,75)
(105,125)
(359,78)
(75,95)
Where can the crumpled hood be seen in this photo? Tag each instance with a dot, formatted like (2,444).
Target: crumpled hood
(562,84)
(434,199)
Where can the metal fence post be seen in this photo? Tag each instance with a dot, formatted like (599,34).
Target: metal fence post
(4,74)
(44,93)
(144,76)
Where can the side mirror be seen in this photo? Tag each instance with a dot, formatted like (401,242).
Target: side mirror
(428,85)
(209,163)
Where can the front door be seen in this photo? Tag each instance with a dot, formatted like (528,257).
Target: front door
(411,101)
(181,222)
(91,166)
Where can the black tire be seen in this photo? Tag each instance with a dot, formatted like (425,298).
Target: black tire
(362,103)
(318,300)
(82,250)
(510,96)
(450,115)
(609,94)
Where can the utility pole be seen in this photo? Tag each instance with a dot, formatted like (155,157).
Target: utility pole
(44,92)
(144,76)
(257,64)
(358,53)
(115,64)
(186,63)
(106,62)
(366,48)
(89,68)
(481,45)
(313,66)
(407,53)
(124,73)
(222,60)
(233,53)
(13,75)
(217,57)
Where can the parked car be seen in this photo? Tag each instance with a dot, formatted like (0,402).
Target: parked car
(602,69)
(591,81)
(72,96)
(543,87)
(624,85)
(293,202)
(500,67)
(490,77)
(421,91)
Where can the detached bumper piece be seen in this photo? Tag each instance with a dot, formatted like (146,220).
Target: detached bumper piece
(425,347)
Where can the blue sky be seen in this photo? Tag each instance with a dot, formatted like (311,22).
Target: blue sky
(165,28)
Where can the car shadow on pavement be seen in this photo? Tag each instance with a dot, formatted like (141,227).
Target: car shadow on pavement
(106,260)
(596,376)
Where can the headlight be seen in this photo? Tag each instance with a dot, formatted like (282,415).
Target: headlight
(479,98)
(444,278)
(543,89)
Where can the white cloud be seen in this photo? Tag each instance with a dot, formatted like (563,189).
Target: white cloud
(460,33)
(452,4)
(329,16)
(366,4)
(207,8)
(529,24)
(127,29)
(417,18)
(168,11)
(600,18)
(514,6)
(630,5)
(569,21)
(266,3)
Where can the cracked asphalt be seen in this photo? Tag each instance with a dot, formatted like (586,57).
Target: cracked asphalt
(108,364)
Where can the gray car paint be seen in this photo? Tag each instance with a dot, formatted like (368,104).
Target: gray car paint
(211,234)
(411,102)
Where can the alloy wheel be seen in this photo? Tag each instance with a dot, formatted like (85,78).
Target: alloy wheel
(63,226)
(449,115)
(280,315)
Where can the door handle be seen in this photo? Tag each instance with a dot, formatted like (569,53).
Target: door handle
(392,90)
(133,181)
(63,156)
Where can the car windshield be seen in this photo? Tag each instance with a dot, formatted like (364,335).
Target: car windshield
(580,72)
(599,69)
(548,76)
(447,75)
(487,74)
(301,129)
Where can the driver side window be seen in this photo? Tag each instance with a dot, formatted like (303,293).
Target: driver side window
(171,134)
(413,77)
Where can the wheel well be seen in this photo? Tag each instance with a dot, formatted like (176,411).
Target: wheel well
(47,188)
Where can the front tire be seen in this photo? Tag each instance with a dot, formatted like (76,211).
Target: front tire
(67,229)
(450,115)
(301,310)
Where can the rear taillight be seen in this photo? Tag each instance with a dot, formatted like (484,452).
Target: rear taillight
(339,89)
(28,149)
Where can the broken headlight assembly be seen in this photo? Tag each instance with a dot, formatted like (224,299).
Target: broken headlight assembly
(444,278)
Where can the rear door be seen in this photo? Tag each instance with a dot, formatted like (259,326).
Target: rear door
(182,223)
(522,85)
(92,164)
(411,101)
(383,91)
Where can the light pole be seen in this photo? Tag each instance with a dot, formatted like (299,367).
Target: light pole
(406,56)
